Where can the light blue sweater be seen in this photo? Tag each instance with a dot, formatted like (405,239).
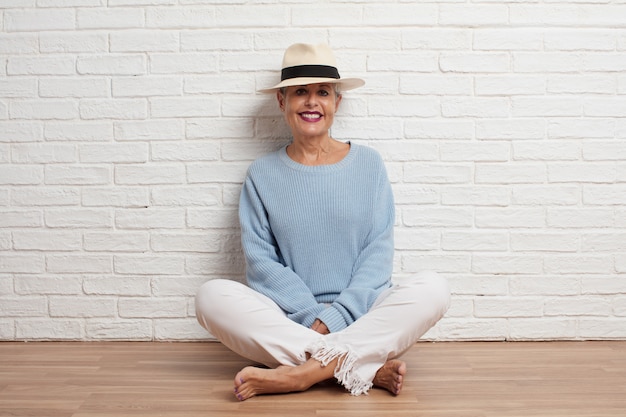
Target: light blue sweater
(318,240)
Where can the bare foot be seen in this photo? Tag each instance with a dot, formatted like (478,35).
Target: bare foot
(251,381)
(390,376)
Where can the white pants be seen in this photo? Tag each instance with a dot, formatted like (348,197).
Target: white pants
(253,326)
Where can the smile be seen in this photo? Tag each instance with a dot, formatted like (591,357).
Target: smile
(310,116)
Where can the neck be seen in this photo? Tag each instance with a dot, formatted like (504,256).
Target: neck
(312,151)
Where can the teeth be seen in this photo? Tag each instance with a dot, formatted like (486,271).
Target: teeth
(311,115)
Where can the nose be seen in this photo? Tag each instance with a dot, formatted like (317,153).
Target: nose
(311,99)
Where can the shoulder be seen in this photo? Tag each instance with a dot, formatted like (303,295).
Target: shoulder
(368,157)
(265,163)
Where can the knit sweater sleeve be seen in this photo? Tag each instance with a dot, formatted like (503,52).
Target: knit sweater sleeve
(373,267)
(265,271)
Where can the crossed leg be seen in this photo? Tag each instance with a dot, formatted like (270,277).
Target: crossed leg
(251,381)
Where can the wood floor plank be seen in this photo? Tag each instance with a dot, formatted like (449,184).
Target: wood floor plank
(453,379)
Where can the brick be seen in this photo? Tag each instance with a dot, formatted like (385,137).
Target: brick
(437,217)
(177,242)
(146,86)
(579,217)
(578,264)
(474,241)
(144,41)
(153,308)
(73,87)
(82,307)
(23,131)
(482,329)
(367,128)
(220,264)
(604,151)
(475,151)
(42,153)
(475,107)
(77,175)
(67,42)
(614,194)
(604,329)
(212,218)
(210,40)
(18,43)
(546,195)
(222,128)
(18,88)
(215,84)
(178,18)
(265,15)
(580,40)
(475,196)
(180,329)
(399,62)
(78,218)
(546,107)
(5,244)
(184,107)
(150,218)
(604,242)
(79,131)
(546,150)
(20,218)
(542,329)
(140,330)
(605,107)
(436,129)
(580,84)
(578,306)
(24,306)
(29,20)
(216,172)
(149,174)
(415,194)
(150,130)
(544,242)
(397,14)
(507,264)
(604,62)
(510,173)
(580,128)
(127,64)
(431,39)
(405,107)
(43,110)
(41,65)
(116,242)
(510,85)
(544,285)
(186,196)
(47,240)
(436,174)
(49,329)
(113,109)
(21,174)
(21,264)
(582,172)
(116,197)
(441,263)
(497,307)
(407,150)
(410,239)
(78,264)
(149,265)
(516,39)
(48,284)
(114,285)
(183,63)
(186,151)
(110,18)
(480,62)
(473,15)
(506,217)
(114,153)
(584,15)
(546,62)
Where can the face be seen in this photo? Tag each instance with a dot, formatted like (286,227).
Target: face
(309,109)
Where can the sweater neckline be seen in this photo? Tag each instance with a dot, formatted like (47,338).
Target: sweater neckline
(284,157)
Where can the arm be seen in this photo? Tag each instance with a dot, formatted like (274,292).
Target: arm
(373,267)
(265,271)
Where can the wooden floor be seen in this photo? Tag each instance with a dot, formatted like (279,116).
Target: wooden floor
(195,379)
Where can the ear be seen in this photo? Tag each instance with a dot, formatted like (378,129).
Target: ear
(281,100)
(337,101)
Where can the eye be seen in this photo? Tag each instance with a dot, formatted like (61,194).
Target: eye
(300,91)
(323,92)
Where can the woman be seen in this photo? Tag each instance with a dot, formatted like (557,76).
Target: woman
(317,222)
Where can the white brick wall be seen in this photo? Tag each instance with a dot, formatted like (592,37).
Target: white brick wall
(126,127)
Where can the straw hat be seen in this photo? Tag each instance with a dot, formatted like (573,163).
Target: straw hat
(311,64)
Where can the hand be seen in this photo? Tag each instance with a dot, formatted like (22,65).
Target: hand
(320,327)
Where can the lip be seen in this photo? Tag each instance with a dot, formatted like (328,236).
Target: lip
(311,116)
